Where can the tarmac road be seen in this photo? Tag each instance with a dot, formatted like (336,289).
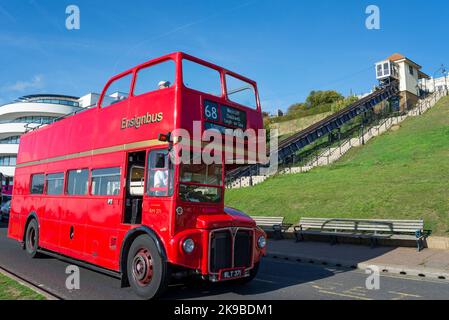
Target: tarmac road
(277,280)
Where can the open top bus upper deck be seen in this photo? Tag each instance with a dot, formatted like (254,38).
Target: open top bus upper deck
(137,105)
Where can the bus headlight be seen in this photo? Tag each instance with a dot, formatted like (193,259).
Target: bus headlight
(188,245)
(261,242)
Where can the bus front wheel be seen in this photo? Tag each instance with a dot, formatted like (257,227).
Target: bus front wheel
(146,270)
(32,239)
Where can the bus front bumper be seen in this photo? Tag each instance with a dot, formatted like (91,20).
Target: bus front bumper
(219,254)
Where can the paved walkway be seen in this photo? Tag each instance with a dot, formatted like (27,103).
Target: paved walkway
(430,263)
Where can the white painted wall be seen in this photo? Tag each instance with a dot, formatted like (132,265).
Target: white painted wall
(408,82)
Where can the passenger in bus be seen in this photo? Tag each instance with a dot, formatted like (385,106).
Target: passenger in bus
(161,182)
(164,84)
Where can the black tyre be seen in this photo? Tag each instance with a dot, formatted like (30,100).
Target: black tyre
(146,270)
(32,239)
(252,274)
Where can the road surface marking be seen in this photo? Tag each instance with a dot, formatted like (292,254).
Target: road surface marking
(344,295)
(403,295)
(262,280)
(357,291)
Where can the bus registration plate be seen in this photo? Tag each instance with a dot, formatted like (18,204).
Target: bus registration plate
(230,274)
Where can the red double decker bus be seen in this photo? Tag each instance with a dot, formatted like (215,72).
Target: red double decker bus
(100,188)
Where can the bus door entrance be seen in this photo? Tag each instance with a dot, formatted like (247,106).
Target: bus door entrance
(135,181)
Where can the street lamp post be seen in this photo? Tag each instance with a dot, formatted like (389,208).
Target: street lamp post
(445,79)
(444,72)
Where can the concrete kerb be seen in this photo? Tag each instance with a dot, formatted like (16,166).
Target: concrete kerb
(422,272)
(29,285)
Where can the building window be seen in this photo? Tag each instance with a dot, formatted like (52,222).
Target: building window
(56,101)
(379,71)
(410,68)
(37,184)
(10,140)
(35,119)
(77,182)
(106,182)
(8,161)
(55,183)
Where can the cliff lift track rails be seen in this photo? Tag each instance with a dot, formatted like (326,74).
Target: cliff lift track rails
(290,146)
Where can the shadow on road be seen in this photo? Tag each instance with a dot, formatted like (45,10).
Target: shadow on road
(273,275)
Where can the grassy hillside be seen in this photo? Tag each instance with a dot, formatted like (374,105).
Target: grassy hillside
(287,128)
(402,174)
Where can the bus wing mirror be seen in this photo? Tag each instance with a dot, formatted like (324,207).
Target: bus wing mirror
(166,138)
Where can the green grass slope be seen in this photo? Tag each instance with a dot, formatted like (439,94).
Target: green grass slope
(402,174)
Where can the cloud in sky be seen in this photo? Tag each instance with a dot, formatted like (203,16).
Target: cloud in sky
(37,82)
(4,13)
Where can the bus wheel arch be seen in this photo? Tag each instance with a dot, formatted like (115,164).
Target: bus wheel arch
(129,239)
(31,216)
(31,235)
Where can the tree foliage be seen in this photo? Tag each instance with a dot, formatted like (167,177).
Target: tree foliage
(318,98)
(341,104)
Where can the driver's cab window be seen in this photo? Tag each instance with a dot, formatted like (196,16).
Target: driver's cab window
(160,174)
(117,91)
(137,179)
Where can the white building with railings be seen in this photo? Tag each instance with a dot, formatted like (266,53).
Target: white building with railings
(31,111)
(28,111)
(436,84)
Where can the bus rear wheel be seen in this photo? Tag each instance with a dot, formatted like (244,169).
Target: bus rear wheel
(32,239)
(146,270)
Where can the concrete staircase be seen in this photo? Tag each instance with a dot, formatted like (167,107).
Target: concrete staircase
(332,154)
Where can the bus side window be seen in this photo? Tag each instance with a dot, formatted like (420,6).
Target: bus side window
(37,184)
(156,77)
(105,182)
(160,174)
(55,183)
(77,181)
(117,91)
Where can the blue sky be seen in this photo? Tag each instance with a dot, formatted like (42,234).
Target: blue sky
(289,47)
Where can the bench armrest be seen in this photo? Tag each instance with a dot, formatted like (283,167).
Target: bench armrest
(286,226)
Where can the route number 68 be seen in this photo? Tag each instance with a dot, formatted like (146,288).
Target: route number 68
(211,112)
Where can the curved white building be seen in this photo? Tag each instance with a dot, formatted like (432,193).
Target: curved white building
(26,112)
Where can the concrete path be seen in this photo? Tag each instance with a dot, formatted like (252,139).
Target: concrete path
(430,263)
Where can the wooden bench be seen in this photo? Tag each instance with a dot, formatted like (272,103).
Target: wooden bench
(275,225)
(372,229)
